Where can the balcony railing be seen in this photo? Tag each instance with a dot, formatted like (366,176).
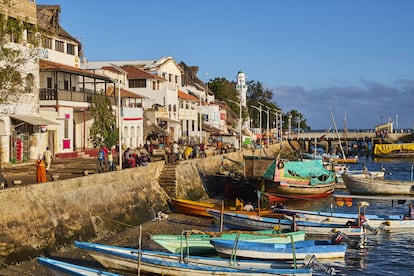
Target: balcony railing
(67,95)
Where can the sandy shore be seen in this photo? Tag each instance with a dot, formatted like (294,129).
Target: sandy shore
(174,224)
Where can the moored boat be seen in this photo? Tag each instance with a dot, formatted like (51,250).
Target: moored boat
(65,268)
(282,198)
(367,185)
(199,244)
(129,259)
(268,251)
(191,207)
(253,222)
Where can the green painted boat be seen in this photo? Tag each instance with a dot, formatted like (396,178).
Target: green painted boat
(198,243)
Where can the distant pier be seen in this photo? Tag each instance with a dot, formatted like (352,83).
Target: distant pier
(328,139)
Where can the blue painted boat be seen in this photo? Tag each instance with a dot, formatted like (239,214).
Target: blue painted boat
(64,268)
(196,243)
(267,251)
(128,259)
(237,221)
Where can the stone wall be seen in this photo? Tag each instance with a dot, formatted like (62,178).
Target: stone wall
(54,214)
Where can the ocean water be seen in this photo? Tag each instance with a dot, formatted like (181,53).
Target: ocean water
(385,253)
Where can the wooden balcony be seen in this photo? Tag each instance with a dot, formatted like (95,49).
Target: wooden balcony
(51,94)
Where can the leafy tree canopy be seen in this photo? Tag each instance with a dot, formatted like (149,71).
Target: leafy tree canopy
(104,128)
(297,121)
(14,57)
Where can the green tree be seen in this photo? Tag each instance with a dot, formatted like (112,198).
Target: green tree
(104,128)
(297,120)
(15,57)
(223,91)
(257,93)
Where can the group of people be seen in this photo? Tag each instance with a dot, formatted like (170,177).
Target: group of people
(175,151)
(132,159)
(105,160)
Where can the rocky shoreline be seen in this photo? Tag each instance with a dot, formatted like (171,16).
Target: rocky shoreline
(174,224)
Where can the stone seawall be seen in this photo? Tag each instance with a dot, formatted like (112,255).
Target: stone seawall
(54,214)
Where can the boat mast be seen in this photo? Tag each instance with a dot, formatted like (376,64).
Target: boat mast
(337,134)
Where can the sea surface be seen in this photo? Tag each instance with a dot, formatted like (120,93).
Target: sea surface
(385,253)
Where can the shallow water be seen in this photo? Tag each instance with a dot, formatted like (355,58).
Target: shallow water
(385,253)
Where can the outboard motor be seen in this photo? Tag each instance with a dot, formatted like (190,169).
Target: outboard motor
(311,262)
(341,238)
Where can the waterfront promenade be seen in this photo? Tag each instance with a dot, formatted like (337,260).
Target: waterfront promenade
(64,168)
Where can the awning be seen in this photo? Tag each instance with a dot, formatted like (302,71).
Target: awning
(153,129)
(168,120)
(33,120)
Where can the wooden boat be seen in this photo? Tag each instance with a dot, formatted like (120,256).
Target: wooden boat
(128,259)
(282,198)
(193,208)
(297,179)
(199,244)
(269,251)
(340,218)
(367,185)
(197,208)
(352,160)
(403,150)
(236,221)
(64,268)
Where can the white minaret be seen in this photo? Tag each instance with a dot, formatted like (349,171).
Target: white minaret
(242,87)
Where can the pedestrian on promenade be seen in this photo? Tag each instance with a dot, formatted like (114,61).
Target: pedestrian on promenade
(106,164)
(48,158)
(101,160)
(40,169)
(110,161)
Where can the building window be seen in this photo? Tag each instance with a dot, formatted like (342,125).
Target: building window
(137,83)
(155,85)
(66,85)
(170,77)
(49,82)
(176,79)
(47,42)
(59,46)
(70,49)
(66,129)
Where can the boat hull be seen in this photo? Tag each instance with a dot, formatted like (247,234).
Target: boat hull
(199,244)
(161,263)
(298,250)
(192,208)
(366,185)
(252,222)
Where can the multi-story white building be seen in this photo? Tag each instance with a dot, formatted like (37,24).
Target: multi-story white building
(158,81)
(22,130)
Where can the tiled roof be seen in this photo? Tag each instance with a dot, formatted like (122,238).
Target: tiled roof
(137,73)
(124,93)
(46,65)
(186,96)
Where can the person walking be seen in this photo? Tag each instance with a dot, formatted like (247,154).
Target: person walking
(40,169)
(101,160)
(48,158)
(110,161)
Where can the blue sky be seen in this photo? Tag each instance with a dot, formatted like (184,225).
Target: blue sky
(355,57)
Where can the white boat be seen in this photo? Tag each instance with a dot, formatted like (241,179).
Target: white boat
(236,221)
(128,259)
(369,185)
(268,251)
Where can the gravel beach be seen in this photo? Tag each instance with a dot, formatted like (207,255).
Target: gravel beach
(174,224)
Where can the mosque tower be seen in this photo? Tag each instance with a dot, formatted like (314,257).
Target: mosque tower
(242,87)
